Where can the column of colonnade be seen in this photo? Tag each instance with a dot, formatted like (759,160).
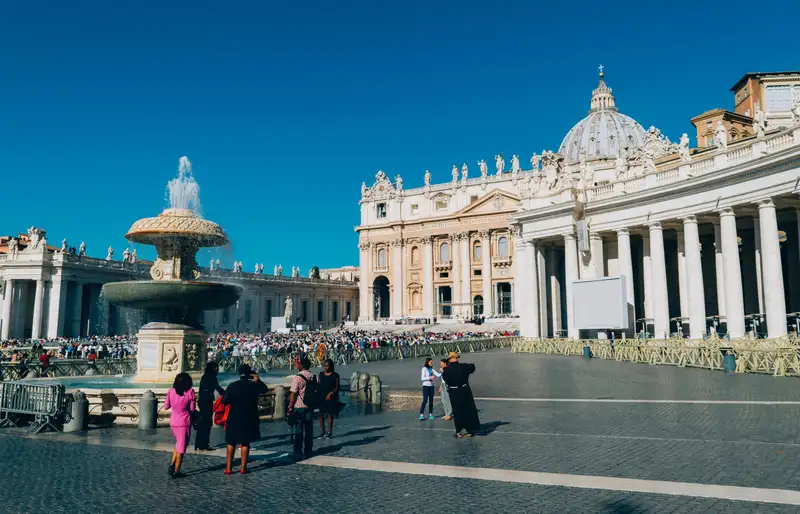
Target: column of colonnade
(690,287)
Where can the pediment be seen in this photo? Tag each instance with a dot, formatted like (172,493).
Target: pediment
(492,202)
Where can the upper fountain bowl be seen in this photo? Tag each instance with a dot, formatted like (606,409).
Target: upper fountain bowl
(172,224)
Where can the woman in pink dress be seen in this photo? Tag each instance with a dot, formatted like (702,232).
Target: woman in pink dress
(180,399)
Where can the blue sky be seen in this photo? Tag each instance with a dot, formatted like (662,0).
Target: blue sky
(284,108)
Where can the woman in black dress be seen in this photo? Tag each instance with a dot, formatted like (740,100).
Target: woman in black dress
(208,385)
(329,398)
(243,424)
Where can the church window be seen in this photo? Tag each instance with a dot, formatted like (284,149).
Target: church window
(502,247)
(381,210)
(444,252)
(477,272)
(476,252)
(473,198)
(779,98)
(382,257)
(414,256)
(441,204)
(414,208)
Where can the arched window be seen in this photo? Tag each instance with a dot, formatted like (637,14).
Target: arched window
(416,300)
(476,252)
(414,256)
(382,257)
(502,247)
(444,252)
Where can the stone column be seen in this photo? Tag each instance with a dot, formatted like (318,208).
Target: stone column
(555,290)
(759,279)
(364,284)
(541,282)
(455,274)
(38,305)
(527,290)
(683,294)
(647,278)
(720,269)
(397,279)
(5,333)
(734,303)
(774,300)
(598,260)
(625,266)
(695,292)
(466,274)
(57,308)
(427,286)
(76,310)
(658,269)
(570,276)
(486,257)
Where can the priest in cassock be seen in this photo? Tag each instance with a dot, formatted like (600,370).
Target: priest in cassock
(465,414)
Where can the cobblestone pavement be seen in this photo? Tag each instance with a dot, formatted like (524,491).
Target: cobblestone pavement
(752,445)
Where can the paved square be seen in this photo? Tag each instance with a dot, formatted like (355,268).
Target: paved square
(563,434)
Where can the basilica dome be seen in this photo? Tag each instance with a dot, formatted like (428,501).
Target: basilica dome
(603,132)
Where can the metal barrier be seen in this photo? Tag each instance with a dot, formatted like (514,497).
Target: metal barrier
(68,368)
(778,357)
(46,403)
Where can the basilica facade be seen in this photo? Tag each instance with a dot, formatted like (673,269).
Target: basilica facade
(706,234)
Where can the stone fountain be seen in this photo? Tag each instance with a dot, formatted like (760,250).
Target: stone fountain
(175,297)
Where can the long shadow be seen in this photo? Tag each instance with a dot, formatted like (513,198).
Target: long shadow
(363,431)
(488,428)
(336,447)
(621,507)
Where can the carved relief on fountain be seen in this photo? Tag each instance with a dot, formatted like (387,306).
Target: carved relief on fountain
(170,360)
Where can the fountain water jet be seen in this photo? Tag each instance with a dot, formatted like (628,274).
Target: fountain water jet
(173,341)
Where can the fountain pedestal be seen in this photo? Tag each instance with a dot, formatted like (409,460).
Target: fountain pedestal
(166,349)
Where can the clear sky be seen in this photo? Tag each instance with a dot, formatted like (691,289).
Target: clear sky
(284,108)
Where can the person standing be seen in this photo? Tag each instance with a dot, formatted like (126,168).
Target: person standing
(180,399)
(444,394)
(465,414)
(329,398)
(301,409)
(243,425)
(428,376)
(208,385)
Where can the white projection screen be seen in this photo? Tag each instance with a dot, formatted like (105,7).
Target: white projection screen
(600,303)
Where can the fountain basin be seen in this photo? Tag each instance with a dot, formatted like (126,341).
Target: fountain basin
(172,301)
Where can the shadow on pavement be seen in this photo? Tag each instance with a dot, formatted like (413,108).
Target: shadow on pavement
(336,447)
(488,428)
(363,431)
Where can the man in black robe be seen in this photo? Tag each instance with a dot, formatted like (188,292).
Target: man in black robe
(465,414)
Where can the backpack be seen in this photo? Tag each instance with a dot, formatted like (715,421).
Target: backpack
(311,395)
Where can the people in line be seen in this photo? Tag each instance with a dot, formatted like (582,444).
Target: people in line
(180,401)
(444,395)
(243,425)
(428,377)
(329,384)
(208,386)
(465,414)
(301,408)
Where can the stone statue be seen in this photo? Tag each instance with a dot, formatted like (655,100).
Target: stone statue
(363,189)
(482,167)
(455,173)
(63,246)
(275,270)
(311,273)
(796,110)
(218,264)
(427,178)
(211,265)
(535,161)
(683,148)
(464,172)
(621,164)
(551,168)
(110,253)
(256,272)
(82,249)
(514,163)
(295,272)
(760,123)
(398,182)
(721,136)
(499,163)
(280,269)
(261,269)
(126,255)
(134,257)
(13,248)
(287,309)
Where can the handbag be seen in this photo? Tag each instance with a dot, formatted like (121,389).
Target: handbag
(194,418)
(221,412)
